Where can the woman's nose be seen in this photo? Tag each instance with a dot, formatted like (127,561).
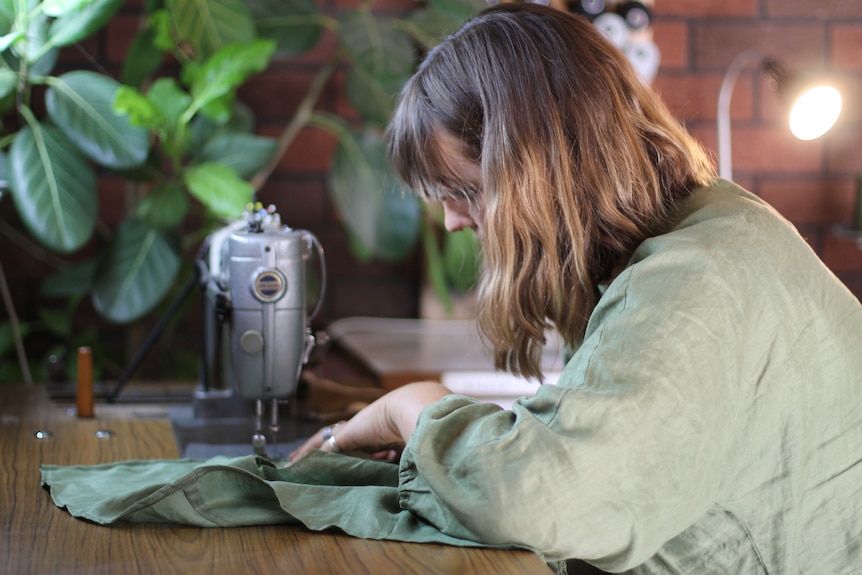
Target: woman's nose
(456,217)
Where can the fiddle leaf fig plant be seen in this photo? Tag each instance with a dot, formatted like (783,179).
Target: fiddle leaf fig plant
(92,122)
(172,127)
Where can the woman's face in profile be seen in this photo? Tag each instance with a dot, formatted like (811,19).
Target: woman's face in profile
(459,212)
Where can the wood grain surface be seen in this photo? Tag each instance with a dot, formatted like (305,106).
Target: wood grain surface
(38,538)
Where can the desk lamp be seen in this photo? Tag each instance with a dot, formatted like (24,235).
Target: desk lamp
(814,105)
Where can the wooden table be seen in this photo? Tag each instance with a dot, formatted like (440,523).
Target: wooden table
(39,538)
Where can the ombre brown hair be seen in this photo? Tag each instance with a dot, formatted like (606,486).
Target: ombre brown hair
(580,162)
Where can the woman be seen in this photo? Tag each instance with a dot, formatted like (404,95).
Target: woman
(709,419)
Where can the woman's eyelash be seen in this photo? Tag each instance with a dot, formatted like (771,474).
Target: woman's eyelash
(468,191)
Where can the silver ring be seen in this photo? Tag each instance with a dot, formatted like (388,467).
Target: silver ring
(333,445)
(327,433)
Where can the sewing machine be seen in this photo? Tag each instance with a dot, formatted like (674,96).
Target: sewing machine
(257,336)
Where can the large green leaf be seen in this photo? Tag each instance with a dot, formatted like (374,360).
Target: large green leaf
(4,173)
(203,130)
(81,103)
(374,206)
(219,189)
(165,206)
(139,108)
(295,25)
(77,24)
(57,8)
(373,96)
(8,82)
(245,153)
(207,25)
(137,270)
(53,186)
(375,44)
(214,82)
(74,280)
(7,15)
(143,59)
(161,110)
(37,24)
(33,47)
(461,254)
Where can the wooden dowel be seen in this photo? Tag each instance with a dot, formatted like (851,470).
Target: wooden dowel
(85,382)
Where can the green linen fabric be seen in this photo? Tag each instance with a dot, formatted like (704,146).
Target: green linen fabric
(321,491)
(709,423)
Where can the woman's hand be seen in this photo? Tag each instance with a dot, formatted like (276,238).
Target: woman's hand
(384,426)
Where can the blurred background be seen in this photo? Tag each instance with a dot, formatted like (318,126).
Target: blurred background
(814,184)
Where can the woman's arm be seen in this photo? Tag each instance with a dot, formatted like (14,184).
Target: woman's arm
(386,424)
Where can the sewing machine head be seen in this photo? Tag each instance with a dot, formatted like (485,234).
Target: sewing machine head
(256,321)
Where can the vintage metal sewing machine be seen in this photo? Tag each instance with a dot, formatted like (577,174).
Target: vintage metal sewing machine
(257,334)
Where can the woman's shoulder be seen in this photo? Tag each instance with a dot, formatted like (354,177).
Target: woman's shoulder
(725,227)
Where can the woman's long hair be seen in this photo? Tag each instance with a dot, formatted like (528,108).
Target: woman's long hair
(580,163)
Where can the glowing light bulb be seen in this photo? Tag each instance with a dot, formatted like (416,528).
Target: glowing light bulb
(815,112)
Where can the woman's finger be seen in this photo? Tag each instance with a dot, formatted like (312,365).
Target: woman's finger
(322,440)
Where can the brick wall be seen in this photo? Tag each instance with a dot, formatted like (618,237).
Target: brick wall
(811,183)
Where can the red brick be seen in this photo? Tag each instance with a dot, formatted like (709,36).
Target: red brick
(747,182)
(853,282)
(771,149)
(822,9)
(850,86)
(301,203)
(696,97)
(275,94)
(112,199)
(707,8)
(717,44)
(320,54)
(841,254)
(704,132)
(119,34)
(671,37)
(844,149)
(817,201)
(311,151)
(846,46)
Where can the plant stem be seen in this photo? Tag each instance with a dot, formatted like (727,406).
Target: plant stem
(299,119)
(30,247)
(16,330)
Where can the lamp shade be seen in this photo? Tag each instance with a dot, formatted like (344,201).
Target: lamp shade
(815,112)
(813,105)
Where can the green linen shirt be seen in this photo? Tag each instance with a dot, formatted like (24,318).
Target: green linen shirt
(710,423)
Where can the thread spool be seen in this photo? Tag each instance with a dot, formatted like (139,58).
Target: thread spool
(85,383)
(644,56)
(636,15)
(614,27)
(589,9)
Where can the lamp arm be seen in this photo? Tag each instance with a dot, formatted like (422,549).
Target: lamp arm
(725,160)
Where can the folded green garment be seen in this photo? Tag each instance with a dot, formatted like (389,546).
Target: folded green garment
(321,491)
